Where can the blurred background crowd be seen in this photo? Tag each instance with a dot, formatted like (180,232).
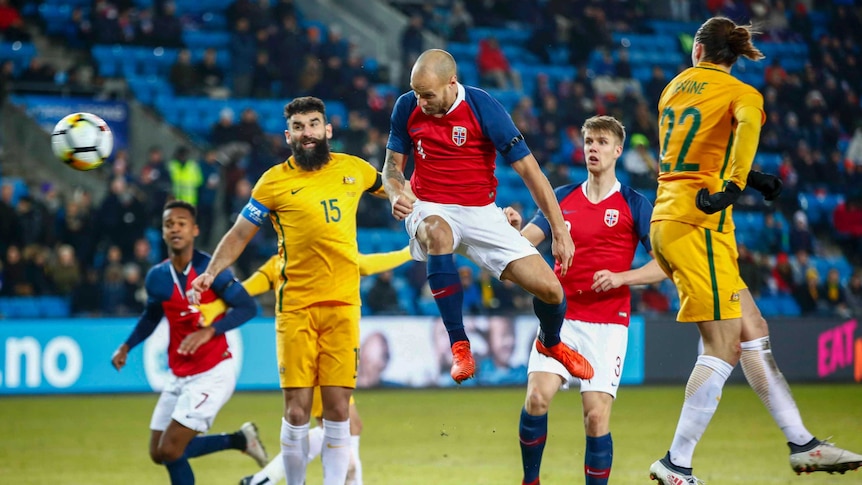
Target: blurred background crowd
(220,72)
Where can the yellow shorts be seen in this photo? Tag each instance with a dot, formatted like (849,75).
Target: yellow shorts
(318,346)
(317,404)
(703,265)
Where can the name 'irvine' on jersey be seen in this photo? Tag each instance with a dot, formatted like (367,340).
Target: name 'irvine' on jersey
(696,130)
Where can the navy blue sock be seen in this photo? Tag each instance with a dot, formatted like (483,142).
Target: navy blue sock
(204,445)
(533,431)
(598,459)
(446,288)
(550,320)
(180,472)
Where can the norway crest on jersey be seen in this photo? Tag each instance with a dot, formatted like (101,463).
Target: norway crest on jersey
(612,216)
(459,135)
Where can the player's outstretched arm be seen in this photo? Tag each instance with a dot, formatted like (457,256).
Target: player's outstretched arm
(379,262)
(543,194)
(227,251)
(651,272)
(396,186)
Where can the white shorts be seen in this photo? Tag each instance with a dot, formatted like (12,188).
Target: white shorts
(602,344)
(482,234)
(194,401)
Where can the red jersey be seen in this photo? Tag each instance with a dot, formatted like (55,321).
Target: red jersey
(166,292)
(606,235)
(455,155)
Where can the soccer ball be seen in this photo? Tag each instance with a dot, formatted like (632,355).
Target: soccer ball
(82,141)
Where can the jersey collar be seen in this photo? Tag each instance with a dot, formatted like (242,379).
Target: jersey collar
(616,188)
(458,98)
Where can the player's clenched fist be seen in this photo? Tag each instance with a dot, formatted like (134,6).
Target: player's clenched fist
(199,285)
(118,360)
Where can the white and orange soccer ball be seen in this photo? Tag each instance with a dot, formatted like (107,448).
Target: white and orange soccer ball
(82,141)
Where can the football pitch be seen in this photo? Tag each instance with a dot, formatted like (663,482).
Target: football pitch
(439,437)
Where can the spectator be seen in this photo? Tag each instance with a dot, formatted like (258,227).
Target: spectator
(10,230)
(156,184)
(847,221)
(243,49)
(834,295)
(122,216)
(36,260)
(640,163)
(472,293)
(186,176)
(211,76)
(781,280)
(801,238)
(15,281)
(183,75)
(134,294)
(65,272)
(800,265)
(412,43)
(808,294)
(854,293)
(167,26)
(87,297)
(382,298)
(112,282)
(207,192)
(494,67)
(263,76)
(749,270)
(144,256)
(11,24)
(75,228)
(459,22)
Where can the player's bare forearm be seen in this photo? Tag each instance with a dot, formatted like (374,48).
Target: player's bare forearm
(231,245)
(393,173)
(542,192)
(647,274)
(534,234)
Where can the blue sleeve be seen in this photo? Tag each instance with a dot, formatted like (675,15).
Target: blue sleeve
(641,215)
(255,212)
(241,307)
(497,125)
(540,220)
(399,139)
(153,312)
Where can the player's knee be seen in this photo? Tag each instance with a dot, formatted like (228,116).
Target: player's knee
(297,416)
(155,456)
(550,292)
(435,233)
(169,453)
(596,420)
(536,403)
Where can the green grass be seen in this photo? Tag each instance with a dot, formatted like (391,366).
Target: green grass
(457,436)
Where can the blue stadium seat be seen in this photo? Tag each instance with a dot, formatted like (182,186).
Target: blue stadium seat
(202,39)
(53,307)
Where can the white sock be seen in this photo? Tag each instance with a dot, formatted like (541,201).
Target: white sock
(768,382)
(315,442)
(354,448)
(336,451)
(702,394)
(294,451)
(271,474)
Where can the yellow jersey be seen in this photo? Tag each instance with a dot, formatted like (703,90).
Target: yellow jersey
(314,216)
(697,124)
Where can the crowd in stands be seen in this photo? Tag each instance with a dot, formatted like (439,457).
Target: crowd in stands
(806,247)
